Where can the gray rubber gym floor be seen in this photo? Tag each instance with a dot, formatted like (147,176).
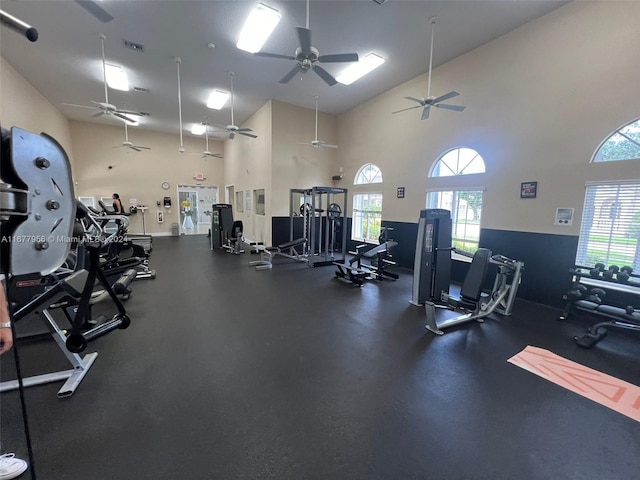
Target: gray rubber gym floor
(229,373)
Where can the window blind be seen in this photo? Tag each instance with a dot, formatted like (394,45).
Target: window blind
(610,229)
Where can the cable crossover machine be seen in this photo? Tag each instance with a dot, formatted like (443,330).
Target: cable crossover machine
(317,229)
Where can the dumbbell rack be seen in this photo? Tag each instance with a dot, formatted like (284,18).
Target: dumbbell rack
(590,301)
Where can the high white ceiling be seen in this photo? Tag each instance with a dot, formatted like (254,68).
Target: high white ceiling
(65,63)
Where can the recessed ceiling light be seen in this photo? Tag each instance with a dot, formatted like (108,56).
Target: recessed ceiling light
(116,77)
(356,70)
(258,27)
(217,99)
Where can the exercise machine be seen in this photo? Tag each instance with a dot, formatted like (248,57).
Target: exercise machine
(378,259)
(321,210)
(36,224)
(221,224)
(588,293)
(432,276)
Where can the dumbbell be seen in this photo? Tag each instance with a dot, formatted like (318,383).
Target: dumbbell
(624,274)
(596,295)
(610,272)
(596,270)
(577,292)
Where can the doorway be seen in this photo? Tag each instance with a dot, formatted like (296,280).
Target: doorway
(195,203)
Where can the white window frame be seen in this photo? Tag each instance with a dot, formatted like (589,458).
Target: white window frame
(633,125)
(610,216)
(362,216)
(456,225)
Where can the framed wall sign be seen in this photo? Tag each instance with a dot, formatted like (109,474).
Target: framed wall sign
(528,189)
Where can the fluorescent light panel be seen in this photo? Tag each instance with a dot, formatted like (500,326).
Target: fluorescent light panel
(259,25)
(355,71)
(198,129)
(116,77)
(217,99)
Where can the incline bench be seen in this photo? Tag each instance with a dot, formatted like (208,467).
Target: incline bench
(287,249)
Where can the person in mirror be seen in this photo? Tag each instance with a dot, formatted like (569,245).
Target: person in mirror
(117,205)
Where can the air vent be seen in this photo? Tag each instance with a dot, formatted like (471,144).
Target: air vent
(136,47)
(140,90)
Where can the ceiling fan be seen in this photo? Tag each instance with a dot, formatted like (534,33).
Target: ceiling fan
(106,108)
(431,101)
(307,57)
(319,143)
(128,144)
(233,128)
(207,153)
(94,9)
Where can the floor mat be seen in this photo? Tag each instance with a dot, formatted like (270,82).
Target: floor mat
(618,395)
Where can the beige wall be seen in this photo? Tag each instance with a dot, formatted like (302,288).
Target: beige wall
(248,167)
(139,175)
(21,105)
(295,165)
(539,101)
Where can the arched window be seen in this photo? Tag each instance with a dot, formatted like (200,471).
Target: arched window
(623,144)
(367,207)
(369,173)
(465,204)
(458,161)
(610,227)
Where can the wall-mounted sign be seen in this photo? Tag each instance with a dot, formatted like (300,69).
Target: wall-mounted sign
(400,192)
(528,189)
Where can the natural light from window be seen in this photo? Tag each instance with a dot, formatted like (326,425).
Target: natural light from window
(623,144)
(465,204)
(458,161)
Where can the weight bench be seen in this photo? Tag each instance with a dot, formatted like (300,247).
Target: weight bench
(623,318)
(378,257)
(287,249)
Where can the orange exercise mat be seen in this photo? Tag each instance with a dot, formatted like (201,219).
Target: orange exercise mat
(618,395)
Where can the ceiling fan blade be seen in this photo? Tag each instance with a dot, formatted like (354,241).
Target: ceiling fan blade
(244,130)
(142,148)
(80,106)
(223,127)
(421,102)
(94,9)
(273,55)
(425,113)
(327,145)
(405,109)
(247,134)
(137,149)
(291,74)
(304,35)
(217,155)
(338,57)
(124,117)
(457,108)
(446,96)
(324,75)
(130,112)
(98,114)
